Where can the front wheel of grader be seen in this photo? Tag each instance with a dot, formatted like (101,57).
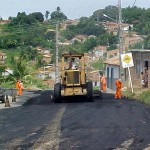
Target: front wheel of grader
(57,93)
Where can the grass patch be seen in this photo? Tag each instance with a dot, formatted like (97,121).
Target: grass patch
(145,97)
(142,95)
(96,88)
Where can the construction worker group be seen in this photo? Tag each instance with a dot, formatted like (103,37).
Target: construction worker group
(19,87)
(118,84)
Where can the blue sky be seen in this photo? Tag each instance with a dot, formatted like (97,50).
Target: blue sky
(73,9)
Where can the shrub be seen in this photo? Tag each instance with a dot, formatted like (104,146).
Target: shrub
(145,97)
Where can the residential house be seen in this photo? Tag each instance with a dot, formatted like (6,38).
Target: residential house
(79,38)
(46,58)
(45,52)
(112,53)
(94,76)
(2,22)
(69,22)
(131,40)
(65,43)
(92,36)
(88,58)
(44,74)
(113,27)
(99,52)
(112,71)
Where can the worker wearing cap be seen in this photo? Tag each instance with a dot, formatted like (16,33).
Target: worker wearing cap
(118,93)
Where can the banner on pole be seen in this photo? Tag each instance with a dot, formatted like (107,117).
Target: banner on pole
(127,60)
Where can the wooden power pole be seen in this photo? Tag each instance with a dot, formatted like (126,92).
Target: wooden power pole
(120,39)
(56,66)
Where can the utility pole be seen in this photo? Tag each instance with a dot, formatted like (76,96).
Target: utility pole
(56,66)
(120,39)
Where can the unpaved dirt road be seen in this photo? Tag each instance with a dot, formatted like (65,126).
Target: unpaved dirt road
(106,124)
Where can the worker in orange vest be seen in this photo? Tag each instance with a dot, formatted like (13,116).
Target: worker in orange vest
(21,87)
(118,84)
(103,83)
(17,86)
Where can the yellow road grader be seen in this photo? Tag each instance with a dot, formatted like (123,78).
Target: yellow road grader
(73,78)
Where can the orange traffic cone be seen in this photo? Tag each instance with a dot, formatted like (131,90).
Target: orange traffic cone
(7,104)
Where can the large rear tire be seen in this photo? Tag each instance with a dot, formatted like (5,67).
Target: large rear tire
(57,93)
(89,92)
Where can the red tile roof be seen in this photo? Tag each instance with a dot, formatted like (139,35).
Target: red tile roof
(112,61)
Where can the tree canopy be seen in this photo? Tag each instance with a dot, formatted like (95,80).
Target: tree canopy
(58,15)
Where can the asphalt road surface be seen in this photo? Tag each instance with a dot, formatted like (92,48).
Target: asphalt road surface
(106,124)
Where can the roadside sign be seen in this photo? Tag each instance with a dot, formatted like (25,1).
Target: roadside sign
(127,60)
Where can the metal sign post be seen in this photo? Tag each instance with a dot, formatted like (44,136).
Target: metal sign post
(127,62)
(130,81)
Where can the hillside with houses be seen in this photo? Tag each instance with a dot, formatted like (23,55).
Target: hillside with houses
(96,37)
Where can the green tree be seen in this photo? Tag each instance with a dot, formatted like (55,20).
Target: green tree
(111,11)
(50,35)
(20,70)
(38,16)
(89,44)
(132,15)
(47,13)
(58,15)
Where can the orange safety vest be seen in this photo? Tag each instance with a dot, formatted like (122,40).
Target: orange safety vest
(118,84)
(103,80)
(17,84)
(21,85)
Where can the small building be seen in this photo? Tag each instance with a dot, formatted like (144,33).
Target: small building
(47,58)
(43,51)
(94,76)
(113,27)
(100,52)
(141,59)
(112,53)
(88,58)
(45,74)
(79,38)
(2,22)
(112,71)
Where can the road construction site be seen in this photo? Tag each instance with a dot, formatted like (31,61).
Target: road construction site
(35,122)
